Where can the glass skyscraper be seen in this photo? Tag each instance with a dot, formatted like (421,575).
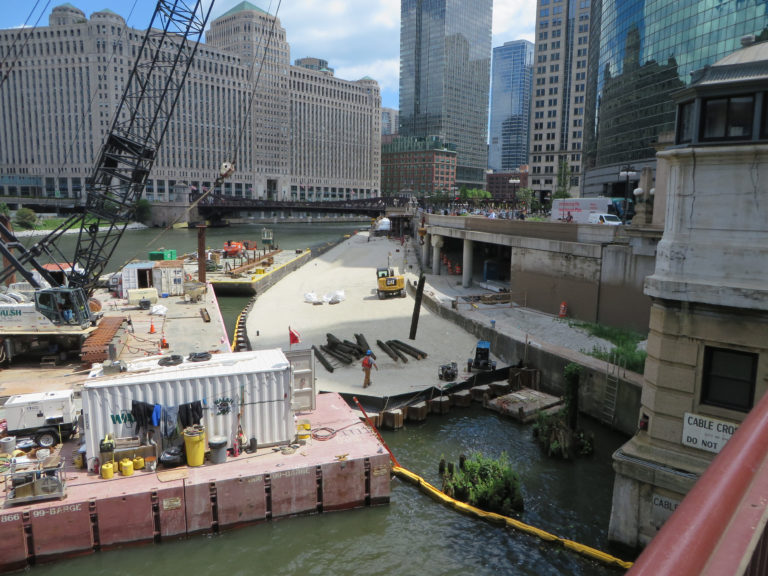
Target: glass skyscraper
(445,61)
(640,52)
(510,105)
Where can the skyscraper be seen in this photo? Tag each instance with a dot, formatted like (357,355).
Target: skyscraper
(560,78)
(510,105)
(640,53)
(445,61)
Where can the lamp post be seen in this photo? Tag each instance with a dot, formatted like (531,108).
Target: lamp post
(626,172)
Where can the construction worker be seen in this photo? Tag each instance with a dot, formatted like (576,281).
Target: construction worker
(368,363)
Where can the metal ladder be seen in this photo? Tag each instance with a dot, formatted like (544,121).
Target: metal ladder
(608,412)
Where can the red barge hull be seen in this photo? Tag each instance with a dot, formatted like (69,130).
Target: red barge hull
(351,469)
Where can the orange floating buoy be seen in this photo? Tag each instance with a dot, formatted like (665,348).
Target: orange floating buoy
(152,327)
(563,309)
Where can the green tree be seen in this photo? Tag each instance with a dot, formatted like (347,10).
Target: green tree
(143,211)
(5,210)
(527,200)
(26,218)
(563,180)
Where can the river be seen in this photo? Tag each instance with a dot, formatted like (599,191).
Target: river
(413,534)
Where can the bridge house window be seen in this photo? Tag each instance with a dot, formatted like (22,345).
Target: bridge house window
(729,378)
(727,118)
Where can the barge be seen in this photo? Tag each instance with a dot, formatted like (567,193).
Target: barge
(317,456)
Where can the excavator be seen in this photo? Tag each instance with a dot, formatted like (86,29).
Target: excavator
(52,309)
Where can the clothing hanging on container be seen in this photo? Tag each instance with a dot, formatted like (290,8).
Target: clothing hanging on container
(142,414)
(191,413)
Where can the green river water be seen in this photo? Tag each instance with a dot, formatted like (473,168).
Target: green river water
(413,534)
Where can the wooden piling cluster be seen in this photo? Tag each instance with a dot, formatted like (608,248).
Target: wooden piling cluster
(519,379)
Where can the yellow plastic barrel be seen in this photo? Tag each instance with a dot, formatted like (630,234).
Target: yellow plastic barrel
(138,463)
(194,442)
(126,466)
(107,470)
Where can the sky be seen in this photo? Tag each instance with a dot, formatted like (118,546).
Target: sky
(357,37)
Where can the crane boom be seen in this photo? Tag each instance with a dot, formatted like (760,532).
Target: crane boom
(129,151)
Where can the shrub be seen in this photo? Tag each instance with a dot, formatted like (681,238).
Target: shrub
(488,484)
(26,218)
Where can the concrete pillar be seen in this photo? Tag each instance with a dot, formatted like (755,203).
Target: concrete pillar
(466,272)
(425,252)
(437,243)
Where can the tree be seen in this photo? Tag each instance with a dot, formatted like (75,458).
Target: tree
(5,210)
(527,201)
(143,211)
(563,180)
(26,218)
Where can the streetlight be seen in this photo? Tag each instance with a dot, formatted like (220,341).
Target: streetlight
(626,172)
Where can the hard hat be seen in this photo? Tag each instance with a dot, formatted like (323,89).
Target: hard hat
(368,353)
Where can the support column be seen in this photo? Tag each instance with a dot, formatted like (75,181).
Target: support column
(437,243)
(466,272)
(425,262)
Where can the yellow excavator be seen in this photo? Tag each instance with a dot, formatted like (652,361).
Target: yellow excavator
(389,284)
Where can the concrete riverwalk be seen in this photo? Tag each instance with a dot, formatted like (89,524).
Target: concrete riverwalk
(351,267)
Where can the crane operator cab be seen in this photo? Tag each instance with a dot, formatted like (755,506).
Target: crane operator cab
(64,306)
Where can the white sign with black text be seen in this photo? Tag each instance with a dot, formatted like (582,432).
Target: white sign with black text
(706,433)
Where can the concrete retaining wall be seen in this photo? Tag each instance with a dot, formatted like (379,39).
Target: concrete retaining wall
(551,364)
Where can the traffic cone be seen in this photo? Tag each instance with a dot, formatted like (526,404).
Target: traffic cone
(151,326)
(163,342)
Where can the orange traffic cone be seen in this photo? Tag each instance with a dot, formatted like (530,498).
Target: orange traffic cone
(563,309)
(151,326)
(163,342)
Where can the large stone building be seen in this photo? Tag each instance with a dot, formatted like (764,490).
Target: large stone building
(445,61)
(61,85)
(559,88)
(707,363)
(509,125)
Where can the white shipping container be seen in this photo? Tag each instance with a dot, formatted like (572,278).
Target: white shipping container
(248,389)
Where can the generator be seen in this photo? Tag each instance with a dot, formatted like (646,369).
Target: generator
(48,417)
(448,372)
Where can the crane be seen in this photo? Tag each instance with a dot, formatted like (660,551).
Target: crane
(60,311)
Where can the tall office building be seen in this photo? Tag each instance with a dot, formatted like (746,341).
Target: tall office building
(640,54)
(559,87)
(445,61)
(512,75)
(390,121)
(62,84)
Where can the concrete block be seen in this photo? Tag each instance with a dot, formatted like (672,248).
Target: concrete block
(462,398)
(417,412)
(480,392)
(440,405)
(392,419)
(500,388)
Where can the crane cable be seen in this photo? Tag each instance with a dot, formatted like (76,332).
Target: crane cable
(26,39)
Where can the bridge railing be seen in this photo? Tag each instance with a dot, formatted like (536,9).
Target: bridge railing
(720,526)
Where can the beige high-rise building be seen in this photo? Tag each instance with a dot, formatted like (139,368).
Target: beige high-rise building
(61,84)
(559,85)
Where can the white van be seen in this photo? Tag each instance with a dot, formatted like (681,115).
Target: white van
(609,219)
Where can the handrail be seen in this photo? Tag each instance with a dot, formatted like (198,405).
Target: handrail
(719,527)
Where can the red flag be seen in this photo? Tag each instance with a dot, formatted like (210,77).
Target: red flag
(294,336)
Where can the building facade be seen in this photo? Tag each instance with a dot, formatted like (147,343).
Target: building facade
(445,60)
(641,53)
(559,88)
(419,167)
(390,121)
(62,84)
(512,77)
(335,135)
(707,363)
